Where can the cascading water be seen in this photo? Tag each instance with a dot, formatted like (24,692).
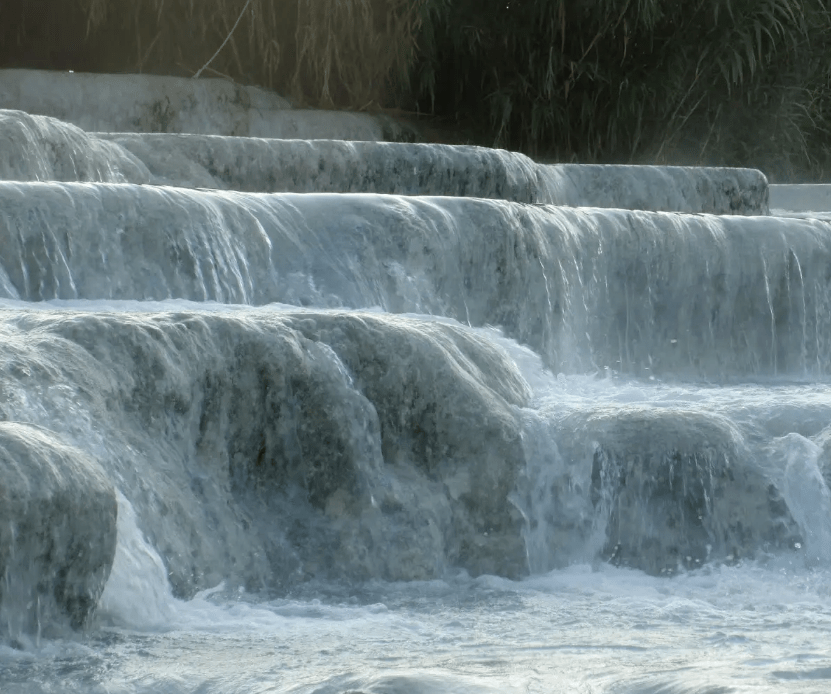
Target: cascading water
(340,417)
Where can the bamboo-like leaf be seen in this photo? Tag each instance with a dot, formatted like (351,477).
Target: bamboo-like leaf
(725,72)
(736,65)
(751,54)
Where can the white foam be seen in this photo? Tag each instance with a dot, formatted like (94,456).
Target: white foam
(137,594)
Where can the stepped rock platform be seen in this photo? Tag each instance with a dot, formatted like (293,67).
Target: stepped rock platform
(804,198)
(155,104)
(35,148)
(300,352)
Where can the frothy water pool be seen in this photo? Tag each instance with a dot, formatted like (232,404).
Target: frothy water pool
(750,628)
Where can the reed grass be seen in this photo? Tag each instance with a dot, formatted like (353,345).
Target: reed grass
(736,82)
(326,53)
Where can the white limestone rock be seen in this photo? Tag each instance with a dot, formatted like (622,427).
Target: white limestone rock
(659,489)
(152,103)
(689,189)
(74,241)
(802,198)
(57,532)
(38,148)
(266,447)
(332,166)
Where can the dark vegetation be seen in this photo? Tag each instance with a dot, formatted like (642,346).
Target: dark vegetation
(729,82)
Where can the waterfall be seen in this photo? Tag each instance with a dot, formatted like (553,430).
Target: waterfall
(287,361)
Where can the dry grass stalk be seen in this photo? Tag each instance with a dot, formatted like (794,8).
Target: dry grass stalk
(330,53)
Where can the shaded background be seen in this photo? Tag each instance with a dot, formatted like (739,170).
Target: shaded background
(717,82)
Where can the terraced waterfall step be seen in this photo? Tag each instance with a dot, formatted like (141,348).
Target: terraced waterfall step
(39,149)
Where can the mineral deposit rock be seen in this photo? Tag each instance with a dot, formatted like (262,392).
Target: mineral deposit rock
(57,531)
